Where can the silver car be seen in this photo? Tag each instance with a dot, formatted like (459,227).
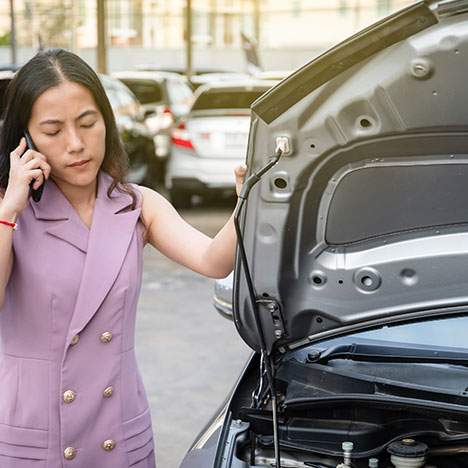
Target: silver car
(211,140)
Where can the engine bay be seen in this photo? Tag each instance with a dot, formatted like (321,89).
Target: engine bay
(347,414)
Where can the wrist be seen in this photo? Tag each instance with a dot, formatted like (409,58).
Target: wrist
(8,214)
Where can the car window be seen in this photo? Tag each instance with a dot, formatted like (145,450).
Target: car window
(222,99)
(447,332)
(145,91)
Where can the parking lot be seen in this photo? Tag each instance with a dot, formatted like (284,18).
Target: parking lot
(189,355)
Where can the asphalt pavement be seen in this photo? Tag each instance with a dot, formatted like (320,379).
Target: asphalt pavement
(189,356)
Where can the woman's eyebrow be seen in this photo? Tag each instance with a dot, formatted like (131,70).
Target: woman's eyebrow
(57,121)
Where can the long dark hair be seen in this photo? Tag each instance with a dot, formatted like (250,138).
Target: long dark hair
(46,69)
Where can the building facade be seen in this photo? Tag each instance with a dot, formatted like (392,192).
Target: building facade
(215,23)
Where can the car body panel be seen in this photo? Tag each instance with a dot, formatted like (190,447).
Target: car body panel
(385,123)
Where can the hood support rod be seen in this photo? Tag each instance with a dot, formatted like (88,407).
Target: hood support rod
(246,188)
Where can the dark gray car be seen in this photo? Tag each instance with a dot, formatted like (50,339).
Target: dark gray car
(351,277)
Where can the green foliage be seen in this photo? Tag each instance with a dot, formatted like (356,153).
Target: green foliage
(5,39)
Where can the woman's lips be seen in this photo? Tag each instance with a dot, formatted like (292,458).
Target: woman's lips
(82,164)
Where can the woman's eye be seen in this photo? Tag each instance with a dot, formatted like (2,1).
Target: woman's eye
(84,126)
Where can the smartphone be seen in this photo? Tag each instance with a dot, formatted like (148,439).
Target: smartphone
(35,193)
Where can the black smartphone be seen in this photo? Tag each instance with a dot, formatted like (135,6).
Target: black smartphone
(35,193)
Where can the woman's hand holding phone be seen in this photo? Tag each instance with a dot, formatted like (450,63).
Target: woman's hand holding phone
(26,168)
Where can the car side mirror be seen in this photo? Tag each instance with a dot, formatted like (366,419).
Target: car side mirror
(222,298)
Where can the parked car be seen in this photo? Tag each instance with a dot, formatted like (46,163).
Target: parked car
(145,167)
(272,74)
(165,98)
(211,140)
(222,297)
(182,71)
(356,244)
(207,78)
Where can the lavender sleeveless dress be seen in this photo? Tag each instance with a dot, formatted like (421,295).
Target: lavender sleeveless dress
(71,394)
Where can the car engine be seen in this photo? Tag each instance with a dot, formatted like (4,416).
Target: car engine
(404,453)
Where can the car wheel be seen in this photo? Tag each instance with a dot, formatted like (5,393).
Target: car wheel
(180,198)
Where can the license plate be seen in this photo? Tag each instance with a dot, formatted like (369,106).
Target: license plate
(236,139)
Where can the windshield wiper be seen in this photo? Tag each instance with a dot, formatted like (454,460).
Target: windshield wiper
(389,353)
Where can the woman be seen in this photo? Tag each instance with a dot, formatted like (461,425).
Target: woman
(70,390)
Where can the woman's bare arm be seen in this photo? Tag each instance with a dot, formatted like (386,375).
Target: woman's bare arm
(6,249)
(168,232)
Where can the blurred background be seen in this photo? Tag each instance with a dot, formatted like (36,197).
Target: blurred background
(183,112)
(287,34)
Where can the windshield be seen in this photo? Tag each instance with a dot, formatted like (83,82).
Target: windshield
(146,91)
(446,332)
(223,99)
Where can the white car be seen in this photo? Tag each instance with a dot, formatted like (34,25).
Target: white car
(211,140)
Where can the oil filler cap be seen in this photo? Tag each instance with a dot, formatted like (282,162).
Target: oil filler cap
(408,448)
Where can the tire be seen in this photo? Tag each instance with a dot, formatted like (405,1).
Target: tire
(180,198)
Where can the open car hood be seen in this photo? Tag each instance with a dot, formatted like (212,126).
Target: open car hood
(365,221)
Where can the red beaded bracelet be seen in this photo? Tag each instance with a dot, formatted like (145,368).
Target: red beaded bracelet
(13,225)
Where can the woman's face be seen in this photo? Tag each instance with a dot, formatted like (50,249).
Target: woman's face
(67,126)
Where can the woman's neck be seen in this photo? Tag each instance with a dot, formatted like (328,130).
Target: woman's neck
(79,197)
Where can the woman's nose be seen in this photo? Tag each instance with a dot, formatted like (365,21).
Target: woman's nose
(74,142)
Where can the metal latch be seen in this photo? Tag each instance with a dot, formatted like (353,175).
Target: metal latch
(284,144)
(274,309)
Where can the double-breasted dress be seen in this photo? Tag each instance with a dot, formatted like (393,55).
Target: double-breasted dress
(71,394)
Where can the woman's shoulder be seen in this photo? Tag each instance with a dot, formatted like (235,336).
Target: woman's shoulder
(145,195)
(152,202)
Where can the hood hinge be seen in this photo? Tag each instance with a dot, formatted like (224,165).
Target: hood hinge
(274,308)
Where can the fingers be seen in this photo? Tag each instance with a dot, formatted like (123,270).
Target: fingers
(28,168)
(29,155)
(19,150)
(39,176)
(240,170)
(40,162)
(25,156)
(31,160)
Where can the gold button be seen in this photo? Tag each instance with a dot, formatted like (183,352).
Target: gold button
(69,396)
(108,392)
(108,444)
(69,453)
(75,340)
(106,337)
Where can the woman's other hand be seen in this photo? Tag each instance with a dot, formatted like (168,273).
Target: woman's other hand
(240,172)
